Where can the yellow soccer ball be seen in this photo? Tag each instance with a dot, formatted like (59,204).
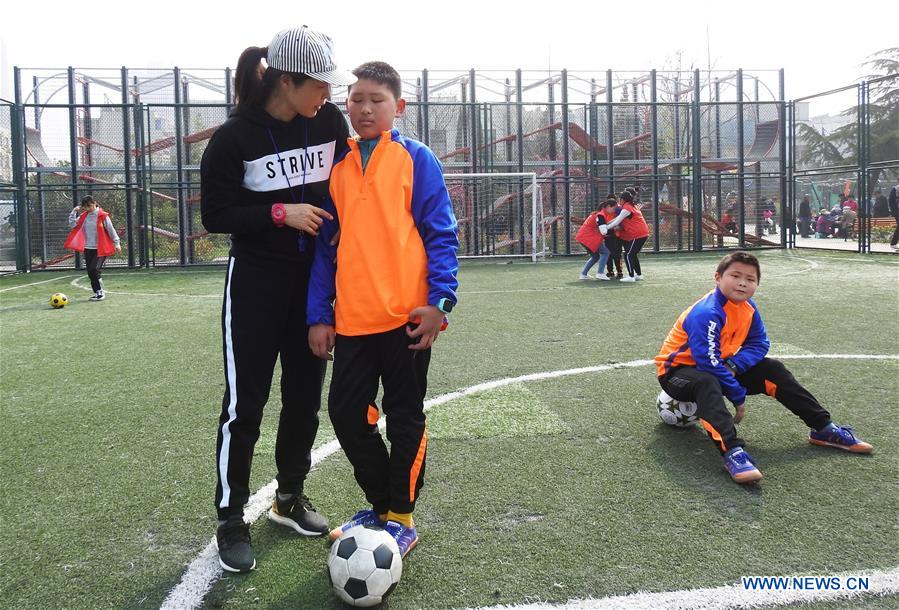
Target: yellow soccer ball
(58,300)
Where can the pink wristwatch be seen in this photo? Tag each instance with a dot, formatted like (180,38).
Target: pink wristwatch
(279,214)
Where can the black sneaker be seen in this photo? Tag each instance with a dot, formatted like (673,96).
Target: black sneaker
(98,296)
(297,513)
(233,540)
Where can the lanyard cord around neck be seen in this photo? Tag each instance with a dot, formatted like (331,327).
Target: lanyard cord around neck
(301,240)
(281,163)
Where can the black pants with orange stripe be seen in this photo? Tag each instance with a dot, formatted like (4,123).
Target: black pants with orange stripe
(769,377)
(391,480)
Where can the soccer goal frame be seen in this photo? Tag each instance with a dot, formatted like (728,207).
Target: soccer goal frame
(499,214)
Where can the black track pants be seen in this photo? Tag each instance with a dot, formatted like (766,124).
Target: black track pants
(631,249)
(94,263)
(390,480)
(614,245)
(264,317)
(769,377)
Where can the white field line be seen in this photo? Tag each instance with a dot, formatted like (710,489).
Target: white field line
(77,284)
(55,279)
(812,265)
(728,597)
(892,260)
(202,571)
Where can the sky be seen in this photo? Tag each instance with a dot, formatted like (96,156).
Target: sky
(819,48)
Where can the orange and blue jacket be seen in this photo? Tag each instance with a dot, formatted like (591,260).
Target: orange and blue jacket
(398,241)
(713,333)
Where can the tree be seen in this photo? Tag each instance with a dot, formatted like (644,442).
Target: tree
(840,147)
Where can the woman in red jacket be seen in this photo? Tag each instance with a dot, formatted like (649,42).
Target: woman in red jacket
(593,241)
(633,233)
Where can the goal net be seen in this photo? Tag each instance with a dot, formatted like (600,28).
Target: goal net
(499,215)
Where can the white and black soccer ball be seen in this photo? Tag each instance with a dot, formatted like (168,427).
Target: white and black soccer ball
(364,566)
(676,412)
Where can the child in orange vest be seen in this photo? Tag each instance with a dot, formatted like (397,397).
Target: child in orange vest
(593,241)
(94,236)
(634,232)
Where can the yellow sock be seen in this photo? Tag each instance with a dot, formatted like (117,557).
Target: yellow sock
(401,518)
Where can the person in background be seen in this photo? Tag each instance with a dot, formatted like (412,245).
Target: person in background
(614,265)
(593,241)
(880,208)
(822,225)
(805,216)
(634,232)
(93,235)
(893,209)
(847,222)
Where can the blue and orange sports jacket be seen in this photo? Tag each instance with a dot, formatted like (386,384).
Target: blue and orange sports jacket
(711,331)
(398,241)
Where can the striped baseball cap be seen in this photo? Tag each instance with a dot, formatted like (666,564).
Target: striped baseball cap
(304,51)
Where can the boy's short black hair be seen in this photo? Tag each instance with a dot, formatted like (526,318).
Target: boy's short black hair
(382,73)
(740,256)
(87,199)
(626,195)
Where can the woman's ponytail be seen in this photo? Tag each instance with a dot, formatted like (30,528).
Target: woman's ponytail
(248,81)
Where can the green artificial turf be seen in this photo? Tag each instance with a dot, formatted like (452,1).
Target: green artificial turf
(535,491)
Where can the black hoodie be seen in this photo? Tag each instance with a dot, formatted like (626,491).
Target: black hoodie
(241,176)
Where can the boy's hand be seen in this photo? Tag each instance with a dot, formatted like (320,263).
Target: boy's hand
(118,248)
(430,319)
(603,229)
(740,412)
(305,217)
(321,340)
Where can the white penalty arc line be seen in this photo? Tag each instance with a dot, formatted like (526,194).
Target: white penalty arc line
(55,279)
(205,568)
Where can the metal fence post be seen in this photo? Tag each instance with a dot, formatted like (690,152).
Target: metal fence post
(566,187)
(179,172)
(141,183)
(787,216)
(23,233)
(519,150)
(129,187)
(610,136)
(73,134)
(862,143)
(741,167)
(425,112)
(654,120)
(696,162)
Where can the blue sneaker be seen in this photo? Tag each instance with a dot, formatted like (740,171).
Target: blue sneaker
(840,437)
(406,537)
(366,517)
(741,467)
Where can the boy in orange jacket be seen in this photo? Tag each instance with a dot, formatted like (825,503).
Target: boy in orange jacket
(718,348)
(392,279)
